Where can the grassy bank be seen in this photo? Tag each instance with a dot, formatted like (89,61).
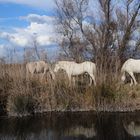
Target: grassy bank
(22,96)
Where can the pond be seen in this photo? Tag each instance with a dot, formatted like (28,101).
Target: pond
(72,126)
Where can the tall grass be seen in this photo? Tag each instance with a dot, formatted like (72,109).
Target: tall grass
(21,96)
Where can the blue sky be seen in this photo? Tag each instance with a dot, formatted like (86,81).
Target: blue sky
(23,20)
(10,13)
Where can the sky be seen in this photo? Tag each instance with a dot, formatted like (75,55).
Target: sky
(22,21)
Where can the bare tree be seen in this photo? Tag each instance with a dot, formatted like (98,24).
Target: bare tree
(106,38)
(130,27)
(35,45)
(70,18)
(35,52)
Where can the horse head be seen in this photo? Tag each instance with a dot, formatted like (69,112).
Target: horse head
(123,78)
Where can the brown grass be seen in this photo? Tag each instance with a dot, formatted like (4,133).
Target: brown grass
(21,96)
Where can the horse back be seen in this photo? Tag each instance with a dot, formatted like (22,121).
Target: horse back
(131,65)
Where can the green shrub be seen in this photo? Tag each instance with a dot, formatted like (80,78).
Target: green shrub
(21,104)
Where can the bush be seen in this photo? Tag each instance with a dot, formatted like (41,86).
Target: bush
(21,105)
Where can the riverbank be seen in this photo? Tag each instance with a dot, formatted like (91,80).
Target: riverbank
(71,99)
(20,96)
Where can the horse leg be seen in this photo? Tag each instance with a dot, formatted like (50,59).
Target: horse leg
(94,80)
(133,77)
(42,76)
(73,81)
(27,75)
(32,75)
(69,76)
(92,77)
(52,75)
(90,82)
(131,82)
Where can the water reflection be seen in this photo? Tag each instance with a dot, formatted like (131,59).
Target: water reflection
(72,126)
(81,131)
(132,127)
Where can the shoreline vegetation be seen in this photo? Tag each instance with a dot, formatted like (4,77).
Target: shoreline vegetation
(20,96)
(105,32)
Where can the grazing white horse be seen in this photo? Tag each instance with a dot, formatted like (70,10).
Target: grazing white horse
(38,67)
(72,69)
(130,66)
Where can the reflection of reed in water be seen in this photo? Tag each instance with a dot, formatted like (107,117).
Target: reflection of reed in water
(43,135)
(63,126)
(133,128)
(68,126)
(81,131)
(53,134)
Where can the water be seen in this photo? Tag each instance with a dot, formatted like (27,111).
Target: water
(72,126)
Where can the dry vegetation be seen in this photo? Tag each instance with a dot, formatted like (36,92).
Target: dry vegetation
(104,40)
(19,96)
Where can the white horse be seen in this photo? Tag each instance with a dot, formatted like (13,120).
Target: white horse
(38,67)
(130,66)
(72,69)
